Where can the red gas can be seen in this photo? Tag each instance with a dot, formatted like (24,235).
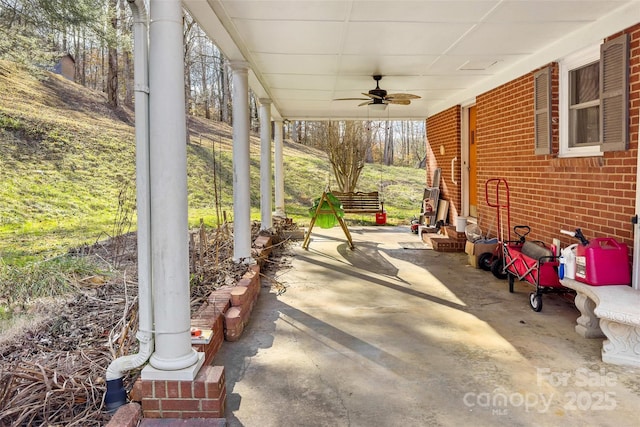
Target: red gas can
(602,262)
(381,218)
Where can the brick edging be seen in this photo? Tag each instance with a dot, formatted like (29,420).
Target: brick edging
(227,311)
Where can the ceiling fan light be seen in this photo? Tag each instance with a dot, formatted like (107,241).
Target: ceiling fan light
(378,106)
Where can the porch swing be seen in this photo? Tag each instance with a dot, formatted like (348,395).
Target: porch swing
(327,211)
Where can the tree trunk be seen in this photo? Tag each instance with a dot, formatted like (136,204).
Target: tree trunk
(112,78)
(127,69)
(204,78)
(80,58)
(187,42)
(187,25)
(368,157)
(388,145)
(205,93)
(226,91)
(128,79)
(406,138)
(254,121)
(112,73)
(65,40)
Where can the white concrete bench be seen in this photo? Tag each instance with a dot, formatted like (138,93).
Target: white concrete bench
(612,312)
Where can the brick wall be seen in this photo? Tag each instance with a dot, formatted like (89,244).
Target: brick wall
(548,193)
(443,131)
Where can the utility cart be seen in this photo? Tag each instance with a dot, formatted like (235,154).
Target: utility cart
(533,262)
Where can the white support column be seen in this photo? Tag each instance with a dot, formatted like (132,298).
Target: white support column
(241,178)
(168,189)
(266,222)
(279,170)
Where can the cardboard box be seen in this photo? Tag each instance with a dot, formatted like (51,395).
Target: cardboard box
(474,250)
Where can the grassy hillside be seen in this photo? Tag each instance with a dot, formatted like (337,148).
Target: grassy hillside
(67,165)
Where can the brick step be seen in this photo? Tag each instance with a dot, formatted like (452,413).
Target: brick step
(451,233)
(443,243)
(191,422)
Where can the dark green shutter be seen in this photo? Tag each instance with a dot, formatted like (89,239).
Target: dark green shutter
(614,94)
(542,108)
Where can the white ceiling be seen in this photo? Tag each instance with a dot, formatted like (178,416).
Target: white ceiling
(305,53)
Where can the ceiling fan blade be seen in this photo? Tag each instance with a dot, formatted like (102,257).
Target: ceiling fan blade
(351,99)
(399,101)
(402,96)
(372,96)
(365,103)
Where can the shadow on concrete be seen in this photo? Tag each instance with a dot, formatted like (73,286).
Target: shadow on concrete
(464,334)
(236,356)
(348,272)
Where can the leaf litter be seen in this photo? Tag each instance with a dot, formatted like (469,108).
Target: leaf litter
(53,367)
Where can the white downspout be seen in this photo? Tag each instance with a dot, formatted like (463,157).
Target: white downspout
(116,395)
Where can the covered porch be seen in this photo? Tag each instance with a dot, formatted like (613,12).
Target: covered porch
(383,335)
(449,341)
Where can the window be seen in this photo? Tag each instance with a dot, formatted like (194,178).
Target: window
(580,104)
(584,105)
(593,106)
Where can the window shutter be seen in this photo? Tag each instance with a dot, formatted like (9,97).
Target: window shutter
(542,107)
(614,94)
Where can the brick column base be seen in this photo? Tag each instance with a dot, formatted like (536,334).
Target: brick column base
(204,397)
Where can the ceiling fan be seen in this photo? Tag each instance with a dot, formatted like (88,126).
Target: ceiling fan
(379,97)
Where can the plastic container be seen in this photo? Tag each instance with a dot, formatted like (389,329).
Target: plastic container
(461,224)
(381,218)
(603,262)
(569,256)
(473,232)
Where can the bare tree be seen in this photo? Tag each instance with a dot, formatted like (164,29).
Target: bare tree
(346,144)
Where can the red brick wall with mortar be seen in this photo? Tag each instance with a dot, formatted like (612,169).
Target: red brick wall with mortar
(204,397)
(550,193)
(443,130)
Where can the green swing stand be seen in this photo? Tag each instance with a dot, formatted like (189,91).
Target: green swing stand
(331,210)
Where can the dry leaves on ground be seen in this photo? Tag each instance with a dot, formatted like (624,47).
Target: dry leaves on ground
(52,370)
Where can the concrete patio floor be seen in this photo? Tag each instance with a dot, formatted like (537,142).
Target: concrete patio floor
(386,336)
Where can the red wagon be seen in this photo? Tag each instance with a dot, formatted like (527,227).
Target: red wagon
(532,262)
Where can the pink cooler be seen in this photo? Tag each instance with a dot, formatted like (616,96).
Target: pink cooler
(603,262)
